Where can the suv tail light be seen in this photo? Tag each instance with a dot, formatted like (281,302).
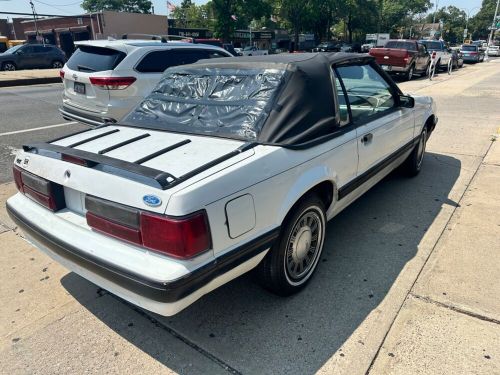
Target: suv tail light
(61,74)
(112,83)
(47,193)
(180,237)
(434,54)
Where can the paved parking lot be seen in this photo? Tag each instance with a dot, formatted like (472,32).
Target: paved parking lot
(408,282)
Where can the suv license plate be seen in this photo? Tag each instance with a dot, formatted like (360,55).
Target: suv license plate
(79,88)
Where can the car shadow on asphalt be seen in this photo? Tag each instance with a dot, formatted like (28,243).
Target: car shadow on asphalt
(256,332)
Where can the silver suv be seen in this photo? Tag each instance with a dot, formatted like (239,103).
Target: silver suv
(105,79)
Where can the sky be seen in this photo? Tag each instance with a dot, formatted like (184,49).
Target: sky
(71,7)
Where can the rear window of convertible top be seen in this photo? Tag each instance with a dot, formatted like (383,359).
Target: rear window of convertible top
(230,103)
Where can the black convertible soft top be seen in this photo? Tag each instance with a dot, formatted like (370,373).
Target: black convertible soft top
(284,99)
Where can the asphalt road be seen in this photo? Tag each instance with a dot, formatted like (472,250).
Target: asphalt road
(32,108)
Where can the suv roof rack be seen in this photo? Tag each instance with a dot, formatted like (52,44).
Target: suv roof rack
(163,38)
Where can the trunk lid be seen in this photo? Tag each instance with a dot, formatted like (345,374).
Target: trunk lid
(126,163)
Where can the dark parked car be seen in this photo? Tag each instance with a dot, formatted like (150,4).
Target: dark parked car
(32,56)
(327,47)
(472,53)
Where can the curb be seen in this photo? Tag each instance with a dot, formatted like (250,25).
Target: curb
(29,81)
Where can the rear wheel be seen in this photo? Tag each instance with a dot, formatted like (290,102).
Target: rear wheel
(9,66)
(57,64)
(409,73)
(291,262)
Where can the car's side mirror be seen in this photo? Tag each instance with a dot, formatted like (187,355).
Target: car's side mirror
(406,101)
(19,52)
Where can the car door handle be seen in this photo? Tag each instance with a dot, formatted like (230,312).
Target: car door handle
(367,138)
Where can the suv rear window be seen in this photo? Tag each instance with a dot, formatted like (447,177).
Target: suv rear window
(95,59)
(469,48)
(432,46)
(158,61)
(410,46)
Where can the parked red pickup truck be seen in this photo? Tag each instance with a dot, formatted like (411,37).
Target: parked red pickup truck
(403,57)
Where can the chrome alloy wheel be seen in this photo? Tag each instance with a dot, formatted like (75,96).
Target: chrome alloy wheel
(304,246)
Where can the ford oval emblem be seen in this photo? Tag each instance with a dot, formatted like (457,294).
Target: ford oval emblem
(151,200)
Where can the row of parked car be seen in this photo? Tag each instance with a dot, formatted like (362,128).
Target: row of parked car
(407,58)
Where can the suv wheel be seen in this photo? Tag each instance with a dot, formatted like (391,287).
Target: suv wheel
(57,64)
(10,66)
(291,262)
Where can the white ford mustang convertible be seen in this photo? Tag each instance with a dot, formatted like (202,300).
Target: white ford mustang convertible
(228,165)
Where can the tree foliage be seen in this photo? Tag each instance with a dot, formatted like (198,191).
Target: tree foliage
(132,6)
(348,20)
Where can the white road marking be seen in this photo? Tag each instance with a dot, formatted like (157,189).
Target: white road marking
(40,128)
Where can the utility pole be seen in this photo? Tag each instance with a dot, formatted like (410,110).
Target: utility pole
(494,24)
(434,19)
(34,19)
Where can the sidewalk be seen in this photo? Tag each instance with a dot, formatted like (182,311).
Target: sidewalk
(29,77)
(450,321)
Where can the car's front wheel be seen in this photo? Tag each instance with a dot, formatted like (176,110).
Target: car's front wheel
(9,66)
(292,260)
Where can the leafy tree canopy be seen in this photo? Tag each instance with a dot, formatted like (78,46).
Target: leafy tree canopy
(132,6)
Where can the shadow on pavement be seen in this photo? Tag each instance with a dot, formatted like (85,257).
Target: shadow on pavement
(366,248)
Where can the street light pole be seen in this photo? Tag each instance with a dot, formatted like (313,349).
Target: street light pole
(34,19)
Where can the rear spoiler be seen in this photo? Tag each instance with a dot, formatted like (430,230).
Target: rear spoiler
(131,170)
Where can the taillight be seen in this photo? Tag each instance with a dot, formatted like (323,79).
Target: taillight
(48,194)
(112,83)
(180,237)
(473,53)
(434,54)
(61,74)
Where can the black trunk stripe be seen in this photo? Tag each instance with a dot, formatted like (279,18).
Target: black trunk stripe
(210,164)
(73,134)
(93,138)
(124,143)
(162,151)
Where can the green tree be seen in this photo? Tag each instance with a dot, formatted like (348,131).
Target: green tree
(479,24)
(132,6)
(454,20)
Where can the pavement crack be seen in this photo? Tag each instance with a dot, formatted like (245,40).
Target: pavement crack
(179,336)
(456,309)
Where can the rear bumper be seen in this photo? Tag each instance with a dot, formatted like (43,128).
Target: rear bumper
(471,58)
(86,118)
(165,298)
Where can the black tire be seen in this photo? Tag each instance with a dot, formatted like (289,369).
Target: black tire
(413,164)
(9,66)
(410,73)
(57,64)
(279,270)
